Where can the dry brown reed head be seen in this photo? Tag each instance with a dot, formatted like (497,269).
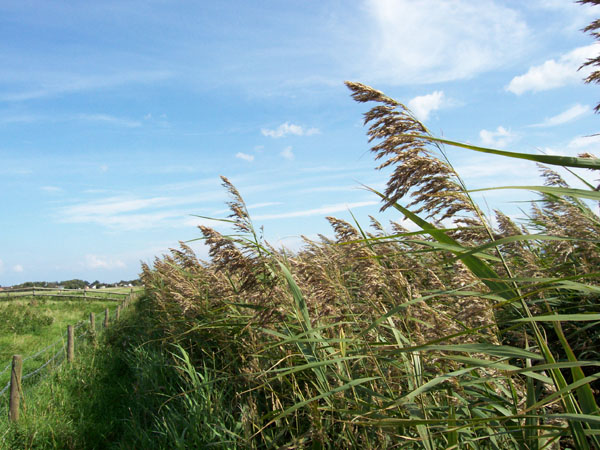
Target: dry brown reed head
(551,178)
(594,29)
(590,156)
(239,213)
(434,183)
(225,256)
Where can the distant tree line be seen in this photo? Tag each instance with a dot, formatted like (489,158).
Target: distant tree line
(77,284)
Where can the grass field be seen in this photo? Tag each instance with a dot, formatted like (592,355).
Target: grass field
(28,325)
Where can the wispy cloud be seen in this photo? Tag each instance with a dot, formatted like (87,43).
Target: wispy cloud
(322,211)
(287,153)
(18,268)
(244,156)
(1,266)
(289,128)
(15,171)
(569,115)
(485,171)
(424,105)
(99,262)
(500,138)
(120,213)
(8,119)
(51,84)
(585,144)
(106,118)
(428,41)
(114,205)
(85,117)
(135,213)
(553,74)
(51,189)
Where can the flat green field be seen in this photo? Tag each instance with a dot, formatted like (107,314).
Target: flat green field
(28,325)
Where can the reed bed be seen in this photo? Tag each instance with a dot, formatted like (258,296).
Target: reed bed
(468,333)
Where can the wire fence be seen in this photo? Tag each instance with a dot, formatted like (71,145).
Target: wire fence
(81,330)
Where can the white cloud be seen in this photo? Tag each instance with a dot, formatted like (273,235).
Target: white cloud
(499,138)
(114,205)
(432,41)
(106,118)
(103,168)
(287,153)
(18,268)
(553,74)
(487,170)
(289,128)
(50,84)
(51,189)
(1,266)
(244,156)
(323,211)
(97,262)
(424,105)
(570,114)
(134,213)
(262,205)
(582,144)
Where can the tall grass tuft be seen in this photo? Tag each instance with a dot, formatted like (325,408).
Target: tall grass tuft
(468,333)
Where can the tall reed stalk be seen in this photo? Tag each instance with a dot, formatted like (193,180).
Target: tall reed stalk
(468,333)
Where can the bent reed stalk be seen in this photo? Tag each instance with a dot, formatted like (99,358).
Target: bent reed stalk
(479,335)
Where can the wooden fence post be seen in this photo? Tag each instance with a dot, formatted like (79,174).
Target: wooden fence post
(92,322)
(106,318)
(70,344)
(118,312)
(15,388)
(33,291)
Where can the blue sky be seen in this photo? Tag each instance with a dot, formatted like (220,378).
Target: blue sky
(117,118)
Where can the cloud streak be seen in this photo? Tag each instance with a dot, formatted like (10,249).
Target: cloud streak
(99,262)
(322,211)
(52,84)
(569,115)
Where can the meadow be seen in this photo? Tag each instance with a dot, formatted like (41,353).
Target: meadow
(29,325)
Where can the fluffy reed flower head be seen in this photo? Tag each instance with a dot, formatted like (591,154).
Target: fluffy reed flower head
(239,213)
(594,29)
(433,182)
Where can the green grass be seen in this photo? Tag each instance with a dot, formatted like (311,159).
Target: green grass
(130,390)
(28,325)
